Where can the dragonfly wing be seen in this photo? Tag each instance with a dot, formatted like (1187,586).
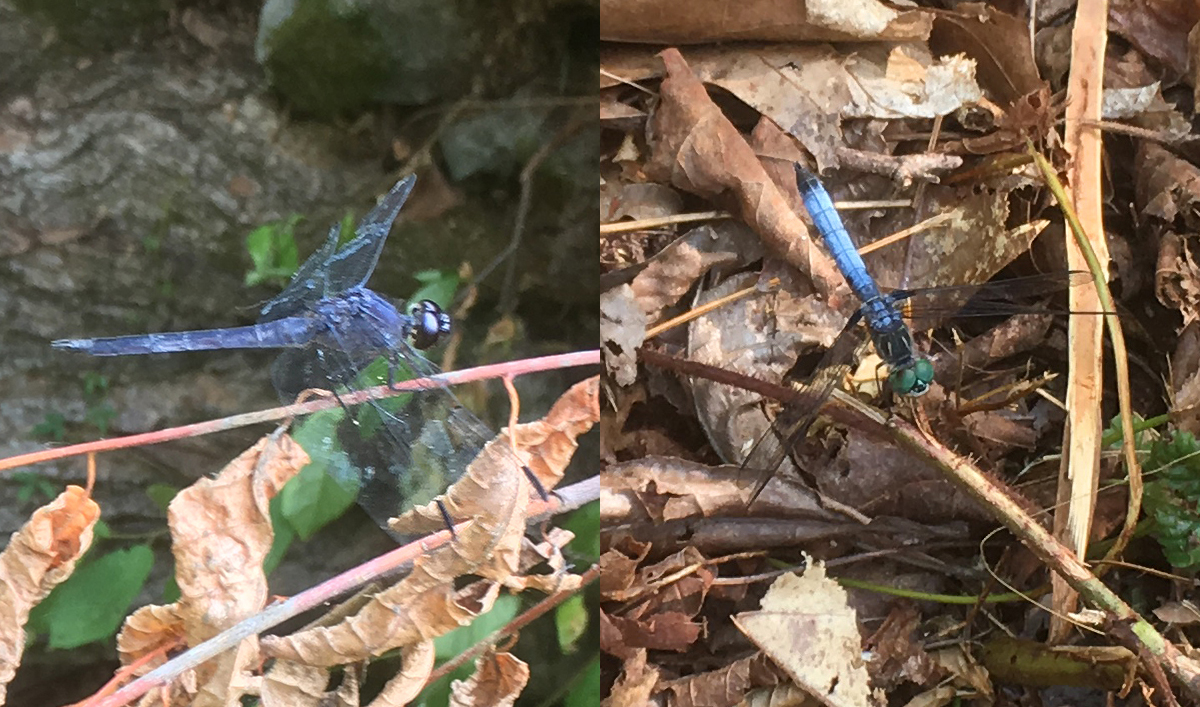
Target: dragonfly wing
(792,423)
(927,307)
(330,271)
(352,265)
(406,449)
(306,286)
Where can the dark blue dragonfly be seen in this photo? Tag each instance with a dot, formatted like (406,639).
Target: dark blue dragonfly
(909,374)
(331,329)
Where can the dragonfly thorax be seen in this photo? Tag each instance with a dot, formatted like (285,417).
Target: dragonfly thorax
(909,375)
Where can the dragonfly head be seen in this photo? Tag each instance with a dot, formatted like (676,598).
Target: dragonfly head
(912,380)
(430,324)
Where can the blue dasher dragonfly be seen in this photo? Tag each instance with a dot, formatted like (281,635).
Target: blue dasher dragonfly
(909,374)
(333,331)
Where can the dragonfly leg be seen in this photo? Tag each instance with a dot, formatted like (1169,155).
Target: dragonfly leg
(446,518)
(391,374)
(536,483)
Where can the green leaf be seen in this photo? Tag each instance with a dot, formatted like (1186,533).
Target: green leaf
(284,534)
(91,605)
(328,485)
(273,252)
(1172,499)
(586,691)
(161,495)
(571,620)
(436,285)
(95,386)
(585,524)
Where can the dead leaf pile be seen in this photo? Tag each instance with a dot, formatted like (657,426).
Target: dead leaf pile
(918,122)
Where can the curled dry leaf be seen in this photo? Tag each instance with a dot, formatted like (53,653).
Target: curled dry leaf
(548,552)
(498,680)
(809,90)
(662,603)
(405,615)
(662,489)
(151,629)
(221,533)
(290,684)
(414,673)
(39,556)
(551,441)
(672,273)
(637,682)
(697,149)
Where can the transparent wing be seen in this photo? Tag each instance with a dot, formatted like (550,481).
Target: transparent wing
(305,286)
(927,307)
(792,423)
(406,449)
(330,271)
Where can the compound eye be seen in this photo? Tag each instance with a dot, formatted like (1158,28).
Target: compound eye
(903,381)
(430,324)
(912,381)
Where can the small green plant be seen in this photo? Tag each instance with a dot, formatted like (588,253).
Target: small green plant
(32,486)
(1172,499)
(53,427)
(98,412)
(272,249)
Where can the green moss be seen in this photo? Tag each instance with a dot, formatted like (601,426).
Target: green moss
(327,64)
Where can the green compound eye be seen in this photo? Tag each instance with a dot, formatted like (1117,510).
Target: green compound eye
(912,381)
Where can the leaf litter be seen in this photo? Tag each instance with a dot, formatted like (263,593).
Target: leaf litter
(937,121)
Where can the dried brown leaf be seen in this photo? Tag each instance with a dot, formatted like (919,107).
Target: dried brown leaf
(402,616)
(617,575)
(290,684)
(39,556)
(551,441)
(898,657)
(636,684)
(999,42)
(414,673)
(697,149)
(808,90)
(665,488)
(546,447)
(727,685)
(221,533)
(148,630)
(498,680)
(549,552)
(808,629)
(665,631)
